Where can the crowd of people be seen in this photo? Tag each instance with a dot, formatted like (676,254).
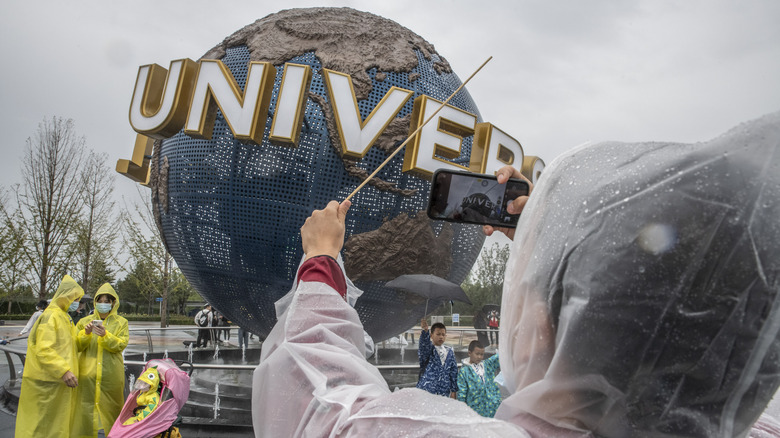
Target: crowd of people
(642,301)
(73,378)
(215,328)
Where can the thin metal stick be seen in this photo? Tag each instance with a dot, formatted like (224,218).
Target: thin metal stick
(416,131)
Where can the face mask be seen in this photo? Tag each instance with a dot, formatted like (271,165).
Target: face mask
(74,306)
(103,307)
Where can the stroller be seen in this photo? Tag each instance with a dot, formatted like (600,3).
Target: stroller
(174,389)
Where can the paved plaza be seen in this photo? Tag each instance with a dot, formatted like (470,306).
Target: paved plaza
(162,340)
(146,334)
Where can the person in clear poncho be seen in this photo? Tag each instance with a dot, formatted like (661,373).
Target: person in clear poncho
(101,366)
(50,376)
(640,300)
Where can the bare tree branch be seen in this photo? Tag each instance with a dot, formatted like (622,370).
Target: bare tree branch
(149,252)
(49,199)
(98,227)
(13,263)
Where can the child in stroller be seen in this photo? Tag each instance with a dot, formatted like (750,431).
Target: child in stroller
(172,393)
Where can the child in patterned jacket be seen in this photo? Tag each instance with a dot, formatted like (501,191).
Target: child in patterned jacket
(476,385)
(438,367)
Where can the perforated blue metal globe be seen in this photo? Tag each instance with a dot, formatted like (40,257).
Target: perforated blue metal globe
(231,212)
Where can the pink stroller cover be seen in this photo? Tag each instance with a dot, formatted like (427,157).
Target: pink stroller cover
(175,389)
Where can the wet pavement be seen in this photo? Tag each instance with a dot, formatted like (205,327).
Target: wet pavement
(148,335)
(140,334)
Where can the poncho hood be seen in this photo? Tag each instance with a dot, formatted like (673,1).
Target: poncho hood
(67,292)
(106,289)
(641,296)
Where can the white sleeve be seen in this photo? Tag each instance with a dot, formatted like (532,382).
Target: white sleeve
(31,322)
(313,380)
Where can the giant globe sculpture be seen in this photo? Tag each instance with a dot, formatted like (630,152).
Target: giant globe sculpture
(230,212)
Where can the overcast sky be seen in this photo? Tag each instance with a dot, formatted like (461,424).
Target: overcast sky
(563,73)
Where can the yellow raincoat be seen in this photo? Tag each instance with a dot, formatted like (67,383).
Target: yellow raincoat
(102,371)
(46,403)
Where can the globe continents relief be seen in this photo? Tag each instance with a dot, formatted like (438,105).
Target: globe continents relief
(230,212)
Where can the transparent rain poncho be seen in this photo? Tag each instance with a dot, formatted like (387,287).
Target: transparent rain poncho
(640,300)
(641,297)
(313,380)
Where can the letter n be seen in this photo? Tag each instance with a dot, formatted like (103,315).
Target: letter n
(245,113)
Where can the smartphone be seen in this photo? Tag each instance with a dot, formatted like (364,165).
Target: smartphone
(474,198)
(97,322)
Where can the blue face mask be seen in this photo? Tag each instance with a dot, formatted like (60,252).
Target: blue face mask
(103,307)
(74,306)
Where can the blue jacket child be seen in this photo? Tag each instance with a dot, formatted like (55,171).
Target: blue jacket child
(438,377)
(476,384)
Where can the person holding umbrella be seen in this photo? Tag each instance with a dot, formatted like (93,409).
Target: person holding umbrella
(493,325)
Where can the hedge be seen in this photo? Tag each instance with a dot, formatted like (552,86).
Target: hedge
(17,319)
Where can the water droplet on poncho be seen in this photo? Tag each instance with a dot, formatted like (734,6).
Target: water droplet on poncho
(657,238)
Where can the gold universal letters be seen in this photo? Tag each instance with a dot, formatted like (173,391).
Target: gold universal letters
(358,136)
(441,138)
(290,105)
(188,94)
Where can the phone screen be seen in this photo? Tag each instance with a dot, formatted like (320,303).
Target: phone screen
(474,198)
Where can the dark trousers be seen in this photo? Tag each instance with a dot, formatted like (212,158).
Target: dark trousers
(243,338)
(482,337)
(490,334)
(203,335)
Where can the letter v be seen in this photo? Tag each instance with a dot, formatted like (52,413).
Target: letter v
(358,136)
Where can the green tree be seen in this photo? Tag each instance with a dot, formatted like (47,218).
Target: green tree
(100,273)
(153,263)
(129,292)
(143,284)
(485,282)
(181,291)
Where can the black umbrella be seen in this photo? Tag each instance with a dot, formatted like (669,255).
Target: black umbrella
(430,287)
(487,308)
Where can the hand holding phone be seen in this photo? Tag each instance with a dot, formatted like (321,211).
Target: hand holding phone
(474,198)
(97,327)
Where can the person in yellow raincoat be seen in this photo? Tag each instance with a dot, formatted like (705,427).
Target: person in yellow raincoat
(51,369)
(100,341)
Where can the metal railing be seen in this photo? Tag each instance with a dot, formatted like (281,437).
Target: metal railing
(11,351)
(148,332)
(462,331)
